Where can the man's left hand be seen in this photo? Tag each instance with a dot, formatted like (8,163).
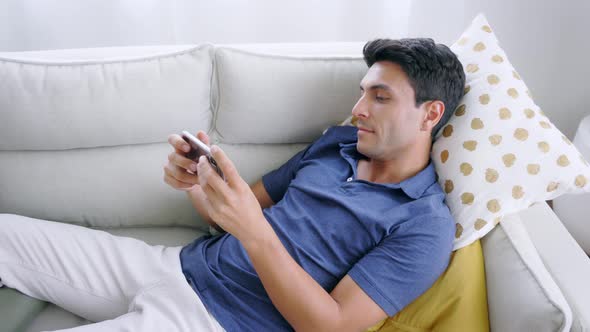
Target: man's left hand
(231,203)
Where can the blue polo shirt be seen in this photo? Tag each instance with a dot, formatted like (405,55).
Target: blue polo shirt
(392,239)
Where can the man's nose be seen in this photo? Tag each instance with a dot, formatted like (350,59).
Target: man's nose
(360,108)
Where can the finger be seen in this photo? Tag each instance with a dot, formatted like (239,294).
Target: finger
(227,166)
(177,184)
(178,143)
(181,175)
(211,178)
(182,161)
(203,137)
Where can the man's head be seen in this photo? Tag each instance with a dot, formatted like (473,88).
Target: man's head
(409,92)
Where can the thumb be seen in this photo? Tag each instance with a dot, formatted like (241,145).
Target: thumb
(227,166)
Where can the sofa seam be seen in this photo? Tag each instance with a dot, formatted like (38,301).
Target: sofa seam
(73,63)
(217,87)
(291,57)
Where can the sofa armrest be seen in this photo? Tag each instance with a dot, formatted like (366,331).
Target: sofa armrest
(563,258)
(17,310)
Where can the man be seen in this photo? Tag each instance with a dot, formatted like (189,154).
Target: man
(347,232)
(359,229)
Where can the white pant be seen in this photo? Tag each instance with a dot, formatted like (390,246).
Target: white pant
(121,283)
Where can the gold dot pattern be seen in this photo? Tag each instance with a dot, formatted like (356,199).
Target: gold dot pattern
(515,75)
(479,47)
(491,175)
(493,79)
(448,130)
(479,223)
(504,113)
(533,169)
(484,99)
(470,145)
(465,168)
(472,68)
(444,156)
(495,139)
(458,230)
(476,124)
(497,59)
(493,205)
(580,181)
(449,186)
(544,124)
(552,186)
(512,92)
(499,152)
(467,198)
(517,192)
(529,113)
(543,146)
(508,159)
(563,161)
(521,134)
(460,110)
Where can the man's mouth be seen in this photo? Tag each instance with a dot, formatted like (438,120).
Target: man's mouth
(365,129)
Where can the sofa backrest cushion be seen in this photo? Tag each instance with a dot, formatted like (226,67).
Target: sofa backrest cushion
(83,132)
(269,98)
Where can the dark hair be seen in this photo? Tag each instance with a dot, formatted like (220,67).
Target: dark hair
(434,71)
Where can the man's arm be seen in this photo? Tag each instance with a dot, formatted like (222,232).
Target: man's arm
(302,301)
(262,195)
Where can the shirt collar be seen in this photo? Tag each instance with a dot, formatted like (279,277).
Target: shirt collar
(414,186)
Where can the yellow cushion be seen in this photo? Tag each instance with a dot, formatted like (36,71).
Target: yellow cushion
(457,301)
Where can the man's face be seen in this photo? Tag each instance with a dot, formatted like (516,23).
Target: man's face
(387,109)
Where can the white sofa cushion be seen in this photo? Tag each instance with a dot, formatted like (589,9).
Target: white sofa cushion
(111,98)
(269,98)
(83,132)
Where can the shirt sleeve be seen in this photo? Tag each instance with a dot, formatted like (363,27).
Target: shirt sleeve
(277,181)
(406,263)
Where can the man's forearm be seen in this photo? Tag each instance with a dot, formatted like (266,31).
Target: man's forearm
(297,296)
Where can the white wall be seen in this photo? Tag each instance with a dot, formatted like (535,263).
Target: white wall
(56,24)
(546,41)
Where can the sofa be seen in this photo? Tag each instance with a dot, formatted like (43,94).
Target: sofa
(83,138)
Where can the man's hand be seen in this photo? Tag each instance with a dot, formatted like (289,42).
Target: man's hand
(231,203)
(179,172)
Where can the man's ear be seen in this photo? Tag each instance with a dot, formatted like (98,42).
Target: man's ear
(434,112)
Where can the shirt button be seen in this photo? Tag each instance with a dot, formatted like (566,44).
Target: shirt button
(349,179)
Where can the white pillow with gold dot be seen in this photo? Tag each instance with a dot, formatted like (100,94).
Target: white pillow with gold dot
(499,153)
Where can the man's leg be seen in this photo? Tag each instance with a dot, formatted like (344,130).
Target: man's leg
(169,305)
(90,273)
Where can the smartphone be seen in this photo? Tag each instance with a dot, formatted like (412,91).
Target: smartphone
(199,149)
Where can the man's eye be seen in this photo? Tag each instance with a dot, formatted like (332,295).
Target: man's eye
(381,98)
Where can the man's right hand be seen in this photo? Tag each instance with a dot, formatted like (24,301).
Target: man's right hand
(179,172)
